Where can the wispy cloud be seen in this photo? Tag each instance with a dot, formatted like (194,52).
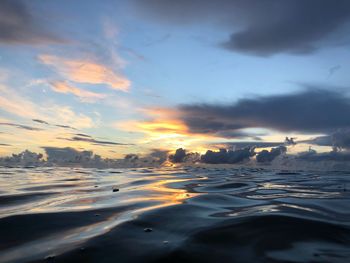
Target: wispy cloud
(18,105)
(83,95)
(40,121)
(56,125)
(65,126)
(69,118)
(20,126)
(84,138)
(86,71)
(12,102)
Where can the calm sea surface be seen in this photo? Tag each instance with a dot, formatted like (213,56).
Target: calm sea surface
(173,215)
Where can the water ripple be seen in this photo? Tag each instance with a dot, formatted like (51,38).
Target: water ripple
(92,215)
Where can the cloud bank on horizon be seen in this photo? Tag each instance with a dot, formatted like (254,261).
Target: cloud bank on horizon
(276,158)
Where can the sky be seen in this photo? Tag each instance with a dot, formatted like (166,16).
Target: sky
(120,77)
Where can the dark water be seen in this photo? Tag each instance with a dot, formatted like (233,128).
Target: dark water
(173,215)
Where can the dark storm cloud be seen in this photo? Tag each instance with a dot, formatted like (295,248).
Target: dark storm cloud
(308,111)
(19,26)
(93,141)
(262,27)
(20,126)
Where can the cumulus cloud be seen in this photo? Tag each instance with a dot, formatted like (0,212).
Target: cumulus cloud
(55,157)
(261,27)
(225,156)
(179,156)
(25,158)
(159,155)
(268,156)
(83,95)
(86,71)
(310,111)
(18,25)
(182,156)
(67,156)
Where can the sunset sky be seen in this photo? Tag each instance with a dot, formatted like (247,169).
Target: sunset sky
(120,76)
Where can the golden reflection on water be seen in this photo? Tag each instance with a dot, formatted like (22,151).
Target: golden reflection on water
(170,196)
(86,194)
(154,193)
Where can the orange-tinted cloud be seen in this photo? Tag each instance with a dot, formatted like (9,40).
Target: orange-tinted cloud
(86,71)
(84,95)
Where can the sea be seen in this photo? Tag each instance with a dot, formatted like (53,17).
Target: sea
(174,214)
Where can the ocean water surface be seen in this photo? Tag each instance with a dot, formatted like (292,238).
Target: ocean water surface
(186,214)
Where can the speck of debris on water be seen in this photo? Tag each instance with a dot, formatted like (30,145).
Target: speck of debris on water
(147,230)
